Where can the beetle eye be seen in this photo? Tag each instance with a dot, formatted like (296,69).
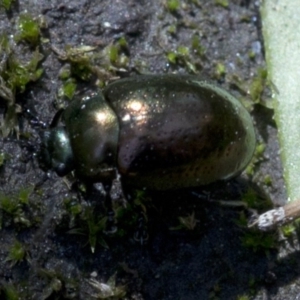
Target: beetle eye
(61,169)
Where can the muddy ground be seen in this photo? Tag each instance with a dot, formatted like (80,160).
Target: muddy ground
(220,258)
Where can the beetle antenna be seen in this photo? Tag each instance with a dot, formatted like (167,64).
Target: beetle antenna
(56,119)
(33,119)
(141,234)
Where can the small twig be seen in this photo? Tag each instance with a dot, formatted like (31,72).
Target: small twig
(277,216)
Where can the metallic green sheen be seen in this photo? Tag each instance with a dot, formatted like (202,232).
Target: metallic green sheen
(56,151)
(157,131)
(94,132)
(177,131)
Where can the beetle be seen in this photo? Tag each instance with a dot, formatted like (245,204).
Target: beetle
(157,132)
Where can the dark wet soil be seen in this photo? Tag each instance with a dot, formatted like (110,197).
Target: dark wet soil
(219,258)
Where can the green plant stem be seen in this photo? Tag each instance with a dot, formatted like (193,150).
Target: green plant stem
(280,21)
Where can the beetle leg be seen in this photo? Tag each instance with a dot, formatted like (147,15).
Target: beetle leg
(33,118)
(141,229)
(44,178)
(29,112)
(111,226)
(141,234)
(116,191)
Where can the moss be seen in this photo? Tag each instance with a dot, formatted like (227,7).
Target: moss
(108,290)
(288,230)
(122,42)
(117,53)
(113,54)
(24,195)
(259,241)
(10,291)
(14,206)
(172,29)
(268,180)
(220,71)
(259,89)
(85,61)
(257,158)
(223,3)
(19,74)
(253,201)
(86,222)
(251,54)
(29,30)
(243,297)
(2,158)
(197,47)
(59,285)
(251,238)
(173,5)
(258,85)
(14,77)
(188,223)
(68,89)
(182,57)
(172,57)
(65,72)
(80,60)
(16,253)
(6,4)
(183,51)
(291,229)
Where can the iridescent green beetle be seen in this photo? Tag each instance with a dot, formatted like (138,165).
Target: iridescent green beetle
(157,131)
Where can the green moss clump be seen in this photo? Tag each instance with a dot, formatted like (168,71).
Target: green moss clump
(243,297)
(182,57)
(122,42)
(197,47)
(80,60)
(10,291)
(172,29)
(85,222)
(173,5)
(258,157)
(14,206)
(2,158)
(16,253)
(87,62)
(254,201)
(29,30)
(172,57)
(268,180)
(68,89)
(14,77)
(259,241)
(19,74)
(113,54)
(223,3)
(6,4)
(189,57)
(117,53)
(291,229)
(258,85)
(220,71)
(108,290)
(187,223)
(251,54)
(24,195)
